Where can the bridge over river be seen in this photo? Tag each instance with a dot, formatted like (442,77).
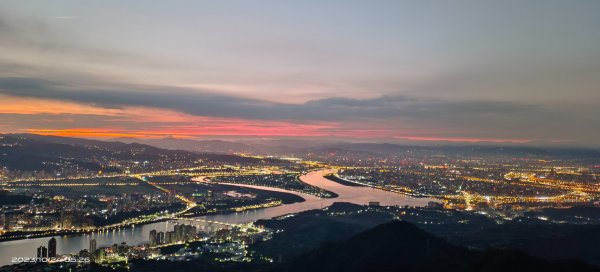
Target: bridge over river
(139,234)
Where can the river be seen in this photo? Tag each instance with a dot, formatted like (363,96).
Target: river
(139,234)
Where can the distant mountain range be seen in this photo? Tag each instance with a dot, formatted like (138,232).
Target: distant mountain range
(28,152)
(262,147)
(303,147)
(206,146)
(44,156)
(61,155)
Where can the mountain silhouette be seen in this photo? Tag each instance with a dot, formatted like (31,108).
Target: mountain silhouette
(401,246)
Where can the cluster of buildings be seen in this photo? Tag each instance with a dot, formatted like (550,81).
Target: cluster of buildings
(232,242)
(65,213)
(510,187)
(47,252)
(180,233)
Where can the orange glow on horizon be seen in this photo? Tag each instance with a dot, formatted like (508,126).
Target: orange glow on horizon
(156,123)
(96,133)
(186,132)
(27,106)
(290,130)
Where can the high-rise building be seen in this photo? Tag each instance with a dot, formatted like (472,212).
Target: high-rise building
(160,238)
(66,220)
(194,231)
(153,238)
(52,248)
(179,233)
(42,252)
(92,248)
(170,237)
(190,232)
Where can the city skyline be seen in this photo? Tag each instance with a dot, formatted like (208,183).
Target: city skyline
(296,136)
(464,72)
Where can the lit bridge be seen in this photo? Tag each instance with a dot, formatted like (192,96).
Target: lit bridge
(205,224)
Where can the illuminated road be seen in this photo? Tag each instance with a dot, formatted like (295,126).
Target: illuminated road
(139,234)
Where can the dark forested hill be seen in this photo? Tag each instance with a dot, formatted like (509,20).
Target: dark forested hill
(29,155)
(401,246)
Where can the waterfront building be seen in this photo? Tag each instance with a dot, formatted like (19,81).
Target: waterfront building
(52,248)
(92,248)
(160,238)
(42,252)
(153,236)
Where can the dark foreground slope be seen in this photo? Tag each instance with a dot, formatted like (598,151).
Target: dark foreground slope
(401,246)
(393,246)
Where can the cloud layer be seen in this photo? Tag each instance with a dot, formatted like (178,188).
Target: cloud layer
(466,71)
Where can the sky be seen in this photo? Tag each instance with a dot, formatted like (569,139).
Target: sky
(514,72)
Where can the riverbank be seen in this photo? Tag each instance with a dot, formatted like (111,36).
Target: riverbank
(139,233)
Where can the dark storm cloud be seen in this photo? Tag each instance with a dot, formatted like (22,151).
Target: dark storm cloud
(56,121)
(210,104)
(351,102)
(453,69)
(457,118)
